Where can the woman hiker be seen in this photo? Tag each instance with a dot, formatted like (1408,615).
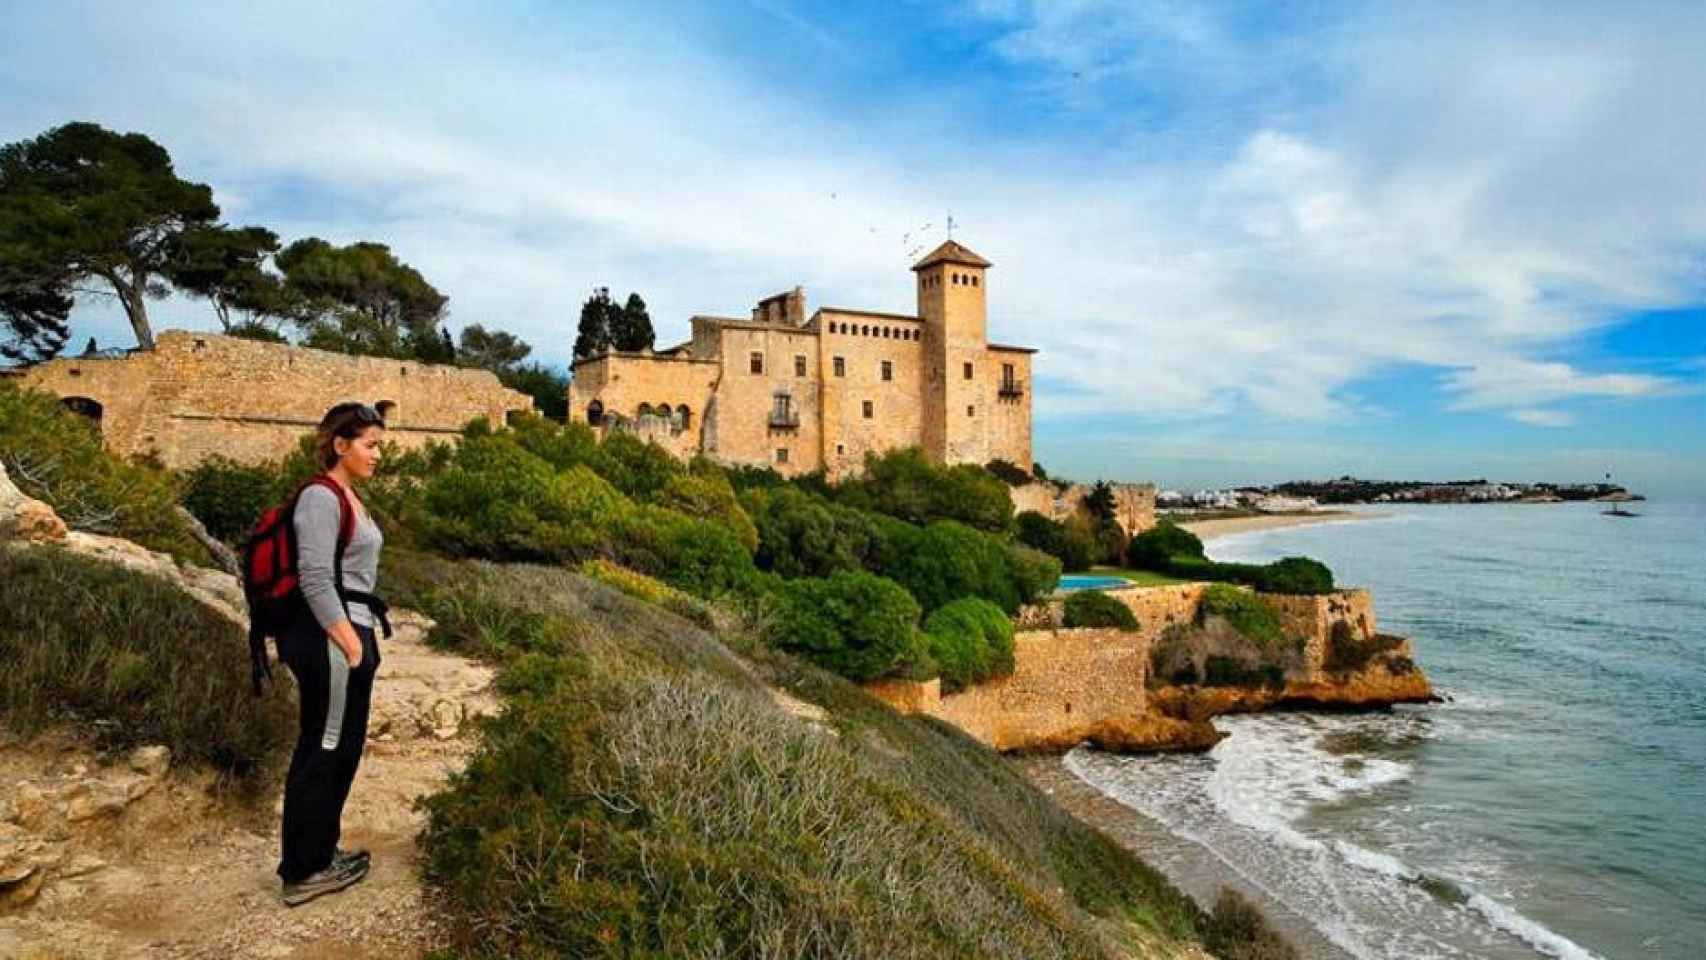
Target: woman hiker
(332,651)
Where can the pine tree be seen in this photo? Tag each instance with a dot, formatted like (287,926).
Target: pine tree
(633,331)
(593,337)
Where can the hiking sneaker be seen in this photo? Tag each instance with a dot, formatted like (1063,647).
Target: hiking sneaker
(330,880)
(344,857)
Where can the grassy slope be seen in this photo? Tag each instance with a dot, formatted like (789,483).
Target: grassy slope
(644,796)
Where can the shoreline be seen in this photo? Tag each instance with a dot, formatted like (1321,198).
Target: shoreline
(1209,530)
(1190,866)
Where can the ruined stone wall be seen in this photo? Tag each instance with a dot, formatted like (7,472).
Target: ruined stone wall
(199,394)
(1134,503)
(1313,617)
(864,342)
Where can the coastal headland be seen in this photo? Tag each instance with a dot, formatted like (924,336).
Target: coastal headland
(1157,687)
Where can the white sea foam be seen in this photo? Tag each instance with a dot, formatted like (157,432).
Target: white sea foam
(1546,941)
(1248,802)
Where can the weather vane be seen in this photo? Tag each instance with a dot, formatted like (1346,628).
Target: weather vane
(950,225)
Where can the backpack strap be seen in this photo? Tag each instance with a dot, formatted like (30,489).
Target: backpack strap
(346,533)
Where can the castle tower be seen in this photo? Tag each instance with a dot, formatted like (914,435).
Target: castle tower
(951,302)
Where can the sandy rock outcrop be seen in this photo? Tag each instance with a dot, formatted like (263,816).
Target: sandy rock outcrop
(25,518)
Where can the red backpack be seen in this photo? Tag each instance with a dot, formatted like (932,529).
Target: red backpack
(271,578)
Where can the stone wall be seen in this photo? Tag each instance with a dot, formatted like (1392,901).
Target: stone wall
(1064,681)
(627,384)
(1073,685)
(1313,617)
(1134,503)
(199,394)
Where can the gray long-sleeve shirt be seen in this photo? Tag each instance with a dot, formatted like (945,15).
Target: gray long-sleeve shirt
(316,521)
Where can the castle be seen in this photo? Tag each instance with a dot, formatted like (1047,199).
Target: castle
(802,394)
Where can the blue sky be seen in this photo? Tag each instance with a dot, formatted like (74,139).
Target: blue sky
(1252,241)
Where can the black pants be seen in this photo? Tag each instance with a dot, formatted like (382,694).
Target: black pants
(334,701)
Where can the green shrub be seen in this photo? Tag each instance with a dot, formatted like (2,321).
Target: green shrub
(131,659)
(228,497)
(1008,473)
(562,445)
(1093,608)
(1194,569)
(946,561)
(1295,575)
(801,535)
(1073,547)
(905,484)
(1224,671)
(1158,547)
(971,640)
(1249,614)
(1348,650)
(698,556)
(707,495)
(1035,573)
(499,502)
(638,468)
(56,456)
(855,624)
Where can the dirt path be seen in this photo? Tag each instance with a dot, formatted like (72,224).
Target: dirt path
(174,874)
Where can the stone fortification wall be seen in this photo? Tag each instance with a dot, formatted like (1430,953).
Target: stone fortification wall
(743,426)
(1078,684)
(199,394)
(1065,681)
(1313,617)
(1134,503)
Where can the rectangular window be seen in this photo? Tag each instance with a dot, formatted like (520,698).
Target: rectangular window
(868,410)
(841,366)
(799,365)
(781,408)
(1007,373)
(888,370)
(971,411)
(757,361)
(968,371)
(781,454)
(840,449)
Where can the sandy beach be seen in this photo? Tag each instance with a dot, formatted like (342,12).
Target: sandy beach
(1208,530)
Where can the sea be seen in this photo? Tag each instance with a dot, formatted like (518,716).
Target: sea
(1553,806)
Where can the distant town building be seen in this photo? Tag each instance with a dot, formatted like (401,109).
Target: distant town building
(799,394)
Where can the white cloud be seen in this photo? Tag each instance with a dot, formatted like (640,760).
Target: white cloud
(1543,418)
(1288,213)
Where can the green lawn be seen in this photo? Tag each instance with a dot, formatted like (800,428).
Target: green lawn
(1142,578)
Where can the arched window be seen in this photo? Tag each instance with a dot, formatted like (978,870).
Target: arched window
(644,411)
(865,331)
(595,413)
(974,279)
(511,416)
(683,417)
(84,407)
(664,411)
(387,410)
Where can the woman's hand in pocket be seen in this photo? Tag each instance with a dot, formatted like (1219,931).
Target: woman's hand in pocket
(344,635)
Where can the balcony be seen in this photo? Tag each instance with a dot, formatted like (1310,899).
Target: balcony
(1011,389)
(784,420)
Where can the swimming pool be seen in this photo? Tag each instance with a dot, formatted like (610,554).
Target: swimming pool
(1088,581)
